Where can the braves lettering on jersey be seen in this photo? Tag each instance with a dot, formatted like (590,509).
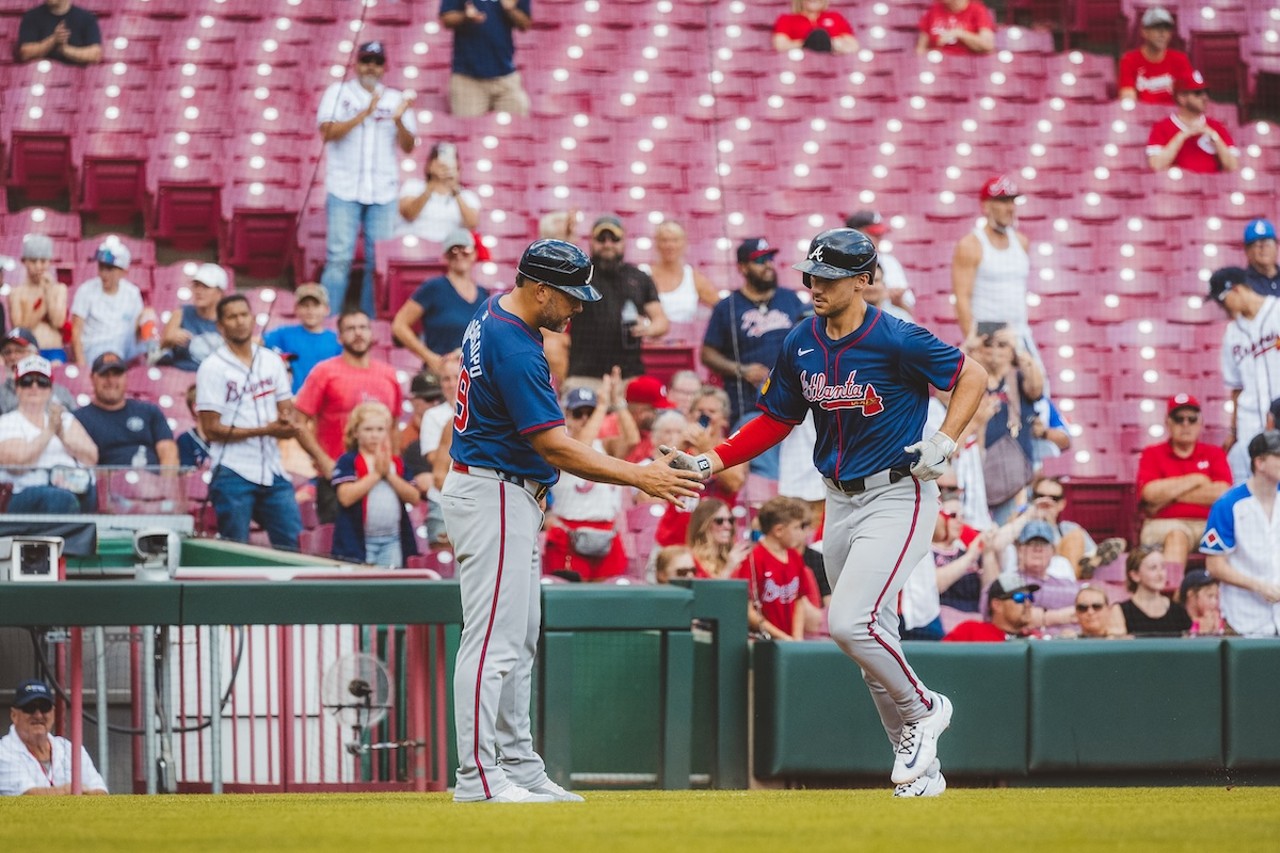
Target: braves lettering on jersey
(868,391)
(1242,531)
(1251,363)
(504,389)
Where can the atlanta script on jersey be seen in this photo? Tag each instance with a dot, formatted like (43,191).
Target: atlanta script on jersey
(868,391)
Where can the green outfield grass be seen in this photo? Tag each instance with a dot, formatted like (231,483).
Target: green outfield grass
(1021,820)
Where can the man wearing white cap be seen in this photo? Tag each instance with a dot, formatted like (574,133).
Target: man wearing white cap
(44,451)
(107,314)
(17,345)
(39,303)
(192,333)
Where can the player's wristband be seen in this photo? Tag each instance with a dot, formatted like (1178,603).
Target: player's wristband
(755,437)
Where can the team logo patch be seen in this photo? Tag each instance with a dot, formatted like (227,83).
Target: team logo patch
(849,395)
(1212,540)
(816,254)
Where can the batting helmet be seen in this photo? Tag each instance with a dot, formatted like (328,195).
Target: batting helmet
(560,265)
(838,253)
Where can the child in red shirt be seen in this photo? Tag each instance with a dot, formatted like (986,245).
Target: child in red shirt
(782,593)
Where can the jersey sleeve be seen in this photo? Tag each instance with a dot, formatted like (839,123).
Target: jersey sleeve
(530,400)
(1225,134)
(717,334)
(284,385)
(328,105)
(160,425)
(1148,470)
(923,356)
(80,303)
(1220,530)
(344,469)
(210,394)
(781,396)
(1159,137)
(1127,74)
(1230,369)
(840,25)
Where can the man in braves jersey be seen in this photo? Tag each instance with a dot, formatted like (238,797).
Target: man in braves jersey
(245,405)
(509,440)
(1242,543)
(1188,138)
(865,376)
(747,327)
(1250,360)
(1148,72)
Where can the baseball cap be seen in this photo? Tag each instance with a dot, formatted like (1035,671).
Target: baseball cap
(372,48)
(1258,229)
(459,237)
(649,391)
(1223,280)
(211,275)
(868,222)
(1264,443)
(310,291)
(426,386)
(108,362)
(1007,584)
(1182,401)
(33,364)
(612,224)
(580,398)
(1036,528)
(1193,82)
(1157,16)
(755,249)
(37,247)
(1001,186)
(18,335)
(31,691)
(113,253)
(1194,579)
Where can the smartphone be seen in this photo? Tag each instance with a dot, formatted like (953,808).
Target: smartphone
(447,153)
(704,421)
(987,328)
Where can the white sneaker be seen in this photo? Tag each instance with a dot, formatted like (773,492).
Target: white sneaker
(514,794)
(918,746)
(931,784)
(557,794)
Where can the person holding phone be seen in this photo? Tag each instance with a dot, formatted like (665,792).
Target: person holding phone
(431,208)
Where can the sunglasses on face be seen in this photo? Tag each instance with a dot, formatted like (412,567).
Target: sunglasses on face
(684,572)
(1055,498)
(582,413)
(724,522)
(37,708)
(1022,598)
(36,381)
(1094,606)
(372,60)
(1185,419)
(607,237)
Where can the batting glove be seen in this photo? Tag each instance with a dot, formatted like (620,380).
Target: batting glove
(699,464)
(934,454)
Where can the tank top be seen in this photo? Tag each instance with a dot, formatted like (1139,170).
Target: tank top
(1000,286)
(1173,623)
(680,305)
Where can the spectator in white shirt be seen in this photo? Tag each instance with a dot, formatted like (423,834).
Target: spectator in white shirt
(432,208)
(365,127)
(33,760)
(107,313)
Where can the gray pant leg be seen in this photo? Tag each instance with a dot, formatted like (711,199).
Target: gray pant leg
(521,763)
(494,527)
(871,542)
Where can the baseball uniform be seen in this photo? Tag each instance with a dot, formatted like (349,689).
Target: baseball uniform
(1251,364)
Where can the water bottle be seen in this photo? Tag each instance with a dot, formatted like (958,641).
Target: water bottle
(630,317)
(140,457)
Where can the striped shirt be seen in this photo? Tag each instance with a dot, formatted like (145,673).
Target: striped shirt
(1239,529)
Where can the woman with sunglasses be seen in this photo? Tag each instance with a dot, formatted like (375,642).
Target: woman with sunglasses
(711,539)
(45,449)
(444,305)
(1148,611)
(1093,612)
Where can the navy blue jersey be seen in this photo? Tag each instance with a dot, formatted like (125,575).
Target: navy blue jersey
(868,391)
(759,330)
(504,396)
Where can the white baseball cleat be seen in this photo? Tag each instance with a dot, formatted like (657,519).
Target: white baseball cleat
(514,794)
(556,793)
(918,746)
(931,784)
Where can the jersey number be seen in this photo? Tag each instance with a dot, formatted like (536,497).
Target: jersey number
(462,413)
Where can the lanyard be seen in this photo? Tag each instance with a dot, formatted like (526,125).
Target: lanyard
(47,774)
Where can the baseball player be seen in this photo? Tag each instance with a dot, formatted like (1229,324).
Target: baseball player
(865,375)
(508,442)
(1250,360)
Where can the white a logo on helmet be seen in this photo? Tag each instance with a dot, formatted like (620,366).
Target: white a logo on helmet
(816,254)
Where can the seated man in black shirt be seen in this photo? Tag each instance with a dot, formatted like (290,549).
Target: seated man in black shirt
(57,30)
(127,432)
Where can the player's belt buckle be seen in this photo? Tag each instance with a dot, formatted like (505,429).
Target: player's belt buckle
(880,478)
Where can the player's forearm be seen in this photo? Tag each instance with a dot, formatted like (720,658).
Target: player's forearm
(587,463)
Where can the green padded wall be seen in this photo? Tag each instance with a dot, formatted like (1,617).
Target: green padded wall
(1126,705)
(1252,681)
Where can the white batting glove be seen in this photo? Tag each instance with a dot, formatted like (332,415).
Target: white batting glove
(934,454)
(682,461)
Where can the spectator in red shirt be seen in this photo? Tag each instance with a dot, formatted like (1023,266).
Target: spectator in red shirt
(1148,72)
(627,434)
(812,26)
(961,27)
(333,389)
(1009,613)
(1211,147)
(782,593)
(1178,480)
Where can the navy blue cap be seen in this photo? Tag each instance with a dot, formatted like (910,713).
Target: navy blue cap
(580,398)
(31,691)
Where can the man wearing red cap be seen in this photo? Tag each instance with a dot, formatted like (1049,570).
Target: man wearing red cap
(626,434)
(1188,138)
(991,265)
(1178,480)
